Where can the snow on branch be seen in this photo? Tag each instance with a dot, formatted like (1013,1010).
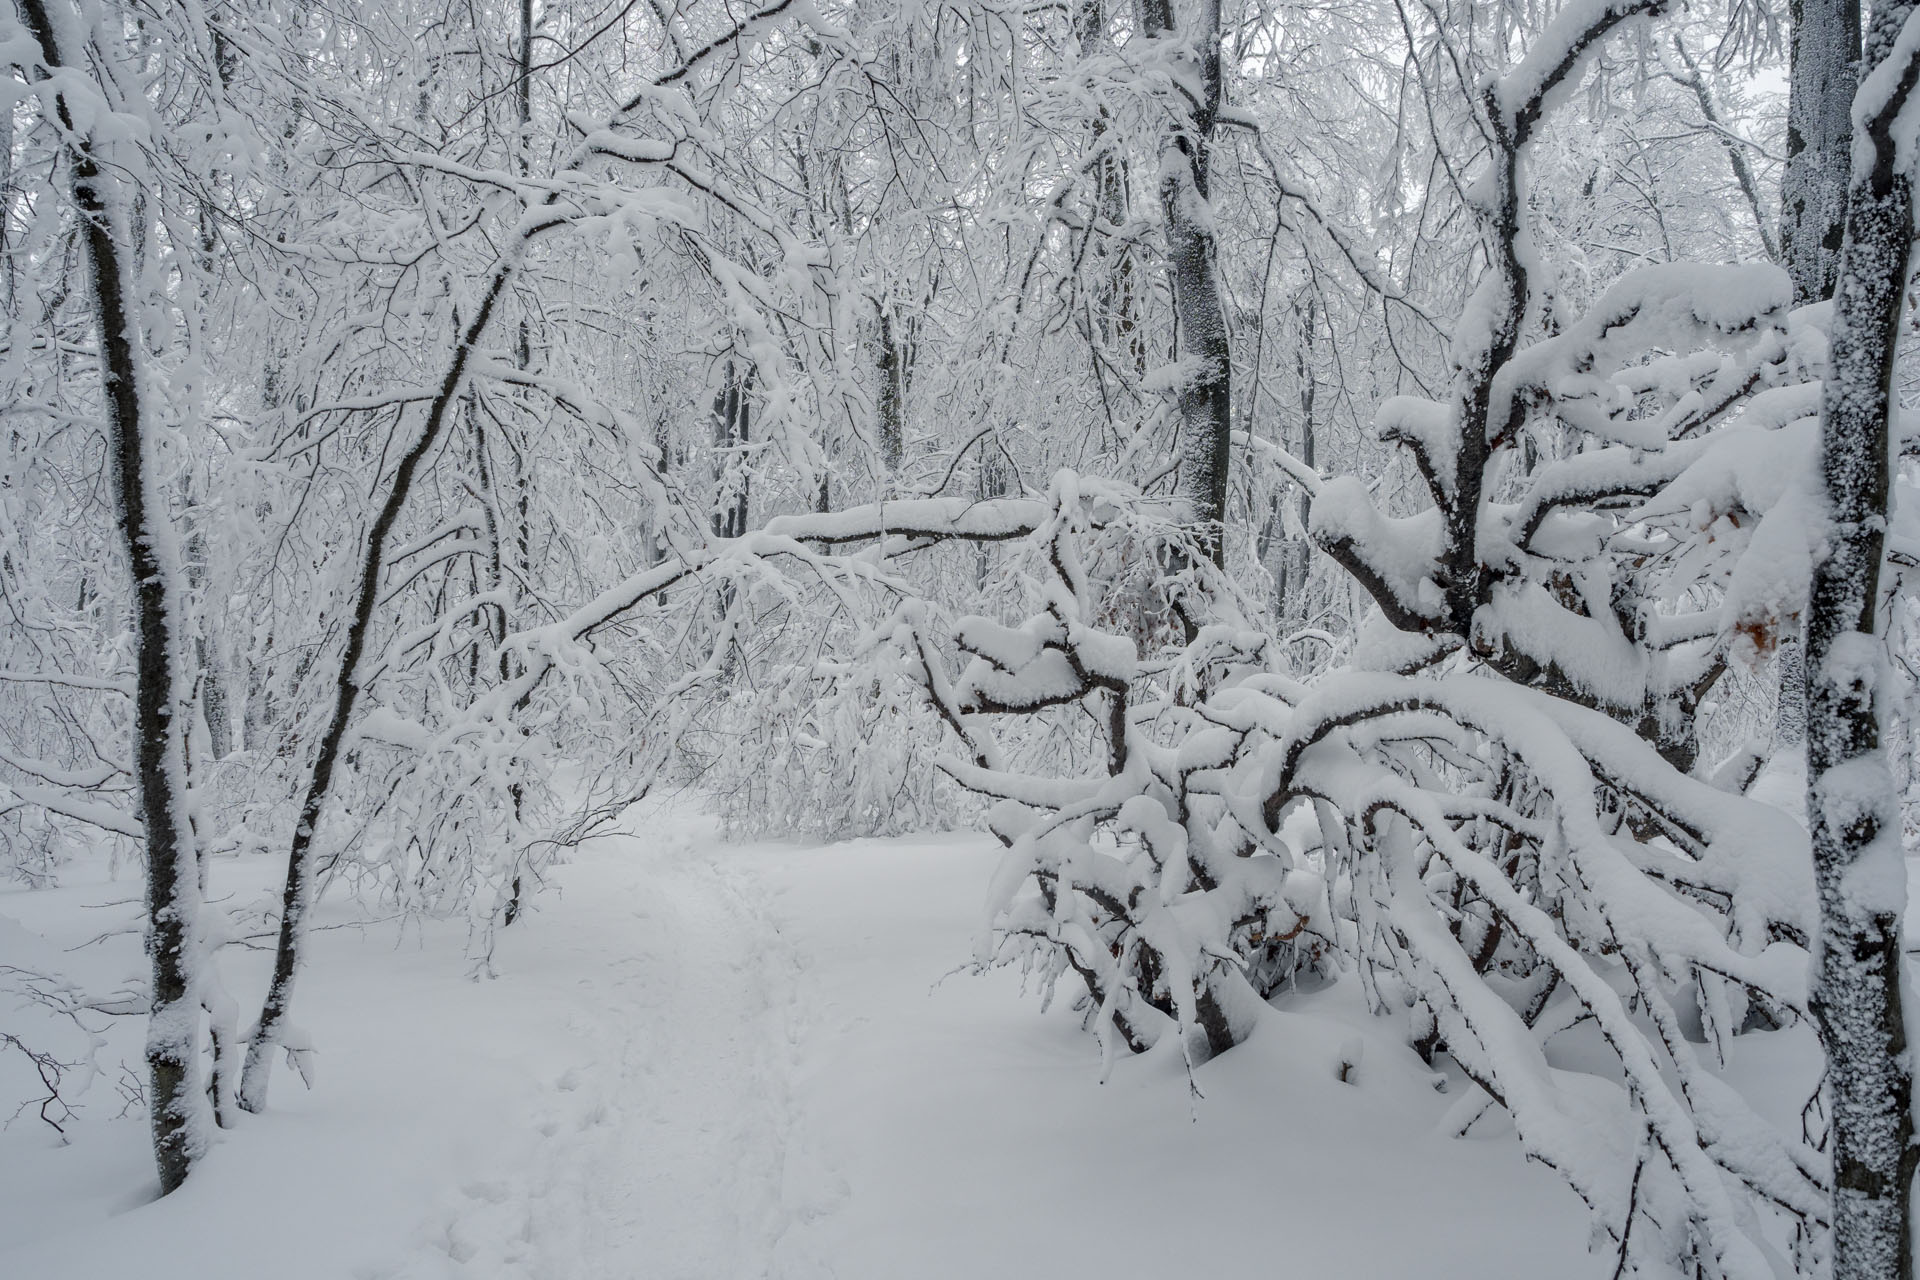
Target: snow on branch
(1501,863)
(1396,558)
(1572,907)
(1593,375)
(1528,89)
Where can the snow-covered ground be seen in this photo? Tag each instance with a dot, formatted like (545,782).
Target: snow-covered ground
(705,1061)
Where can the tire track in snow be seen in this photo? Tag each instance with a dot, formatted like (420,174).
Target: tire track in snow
(666,1147)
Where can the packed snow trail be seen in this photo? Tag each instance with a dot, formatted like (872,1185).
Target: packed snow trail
(660,1149)
(702,1062)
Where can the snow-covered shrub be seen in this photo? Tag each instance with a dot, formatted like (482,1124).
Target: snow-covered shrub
(1512,839)
(1509,864)
(1511,814)
(1494,863)
(1521,841)
(1131,865)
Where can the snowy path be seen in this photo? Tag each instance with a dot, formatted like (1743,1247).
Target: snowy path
(660,1150)
(709,1063)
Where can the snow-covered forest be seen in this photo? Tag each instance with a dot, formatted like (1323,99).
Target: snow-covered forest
(919,638)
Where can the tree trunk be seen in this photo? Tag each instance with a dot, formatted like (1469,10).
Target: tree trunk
(1853,812)
(731,426)
(1113,291)
(991,482)
(1205,400)
(297,896)
(1813,192)
(1790,708)
(177,1098)
(1299,552)
(893,396)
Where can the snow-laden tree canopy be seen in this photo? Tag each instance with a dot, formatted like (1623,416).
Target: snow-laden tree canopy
(1346,493)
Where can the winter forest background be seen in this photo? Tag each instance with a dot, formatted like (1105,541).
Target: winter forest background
(521,523)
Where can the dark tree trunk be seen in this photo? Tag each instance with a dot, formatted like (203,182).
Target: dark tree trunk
(1813,194)
(175,1094)
(1790,710)
(297,896)
(991,482)
(1205,400)
(1299,552)
(523,339)
(893,395)
(1852,811)
(1813,208)
(732,423)
(658,548)
(1112,258)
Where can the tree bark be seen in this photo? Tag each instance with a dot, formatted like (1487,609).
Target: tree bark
(1853,812)
(1113,289)
(297,897)
(1205,399)
(1299,552)
(732,410)
(177,1098)
(1825,46)
(892,364)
